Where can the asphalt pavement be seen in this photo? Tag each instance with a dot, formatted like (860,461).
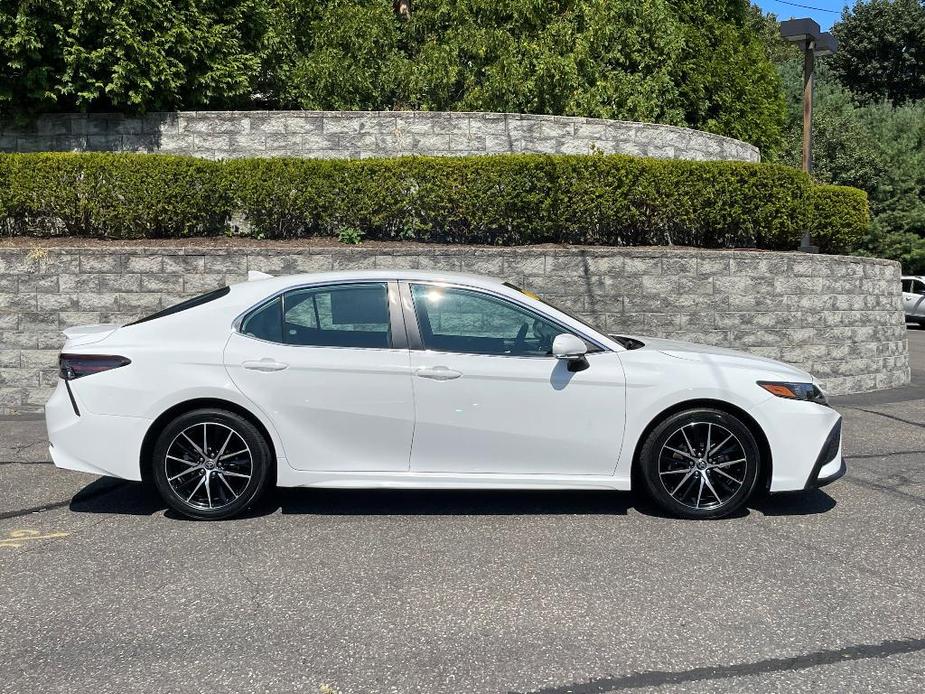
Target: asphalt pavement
(327,591)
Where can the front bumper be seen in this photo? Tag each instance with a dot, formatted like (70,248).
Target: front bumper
(830,464)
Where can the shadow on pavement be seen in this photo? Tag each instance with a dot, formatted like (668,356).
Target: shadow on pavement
(804,503)
(109,496)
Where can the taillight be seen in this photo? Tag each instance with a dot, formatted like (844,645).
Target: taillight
(73,366)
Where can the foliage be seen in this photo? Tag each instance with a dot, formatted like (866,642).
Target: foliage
(112,195)
(881,52)
(699,63)
(503,199)
(727,82)
(845,150)
(875,147)
(907,248)
(350,236)
(128,54)
(898,194)
(839,218)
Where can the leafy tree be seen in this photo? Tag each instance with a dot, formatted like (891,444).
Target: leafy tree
(845,150)
(876,147)
(881,51)
(591,57)
(30,55)
(727,83)
(699,63)
(333,55)
(129,54)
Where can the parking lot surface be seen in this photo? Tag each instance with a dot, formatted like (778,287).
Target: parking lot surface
(555,592)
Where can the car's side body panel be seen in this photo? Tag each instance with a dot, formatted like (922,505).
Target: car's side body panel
(97,444)
(336,409)
(914,297)
(795,430)
(518,415)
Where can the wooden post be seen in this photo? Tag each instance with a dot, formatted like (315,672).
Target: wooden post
(809,66)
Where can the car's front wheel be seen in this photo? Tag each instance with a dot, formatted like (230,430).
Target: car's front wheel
(700,463)
(210,464)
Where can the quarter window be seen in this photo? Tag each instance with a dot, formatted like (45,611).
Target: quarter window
(354,315)
(460,320)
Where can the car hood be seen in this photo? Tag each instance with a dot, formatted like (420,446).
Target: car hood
(692,351)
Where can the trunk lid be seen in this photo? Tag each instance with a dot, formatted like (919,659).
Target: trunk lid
(81,335)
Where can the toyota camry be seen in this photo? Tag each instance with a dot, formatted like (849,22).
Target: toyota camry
(409,379)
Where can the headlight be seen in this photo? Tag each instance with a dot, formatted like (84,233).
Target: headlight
(795,391)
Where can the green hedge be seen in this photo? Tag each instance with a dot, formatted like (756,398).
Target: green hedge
(503,199)
(840,217)
(112,195)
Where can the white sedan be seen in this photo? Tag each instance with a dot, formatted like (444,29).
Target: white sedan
(409,379)
(914,298)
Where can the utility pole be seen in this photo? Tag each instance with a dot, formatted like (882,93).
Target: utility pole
(814,42)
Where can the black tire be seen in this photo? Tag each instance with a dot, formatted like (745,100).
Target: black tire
(686,483)
(220,485)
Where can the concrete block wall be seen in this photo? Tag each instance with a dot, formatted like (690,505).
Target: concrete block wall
(839,317)
(355,134)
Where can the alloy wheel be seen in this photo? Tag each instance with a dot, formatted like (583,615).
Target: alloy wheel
(208,465)
(702,465)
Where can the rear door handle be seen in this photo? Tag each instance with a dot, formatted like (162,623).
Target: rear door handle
(438,373)
(265,365)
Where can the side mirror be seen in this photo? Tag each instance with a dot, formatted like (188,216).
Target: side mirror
(572,349)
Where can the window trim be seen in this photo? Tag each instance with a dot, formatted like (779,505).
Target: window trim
(397,332)
(185,305)
(416,343)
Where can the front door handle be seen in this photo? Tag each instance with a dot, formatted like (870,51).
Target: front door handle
(265,365)
(438,373)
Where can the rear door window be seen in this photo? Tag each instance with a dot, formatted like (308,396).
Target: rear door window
(349,315)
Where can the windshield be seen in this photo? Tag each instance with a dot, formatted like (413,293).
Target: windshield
(534,295)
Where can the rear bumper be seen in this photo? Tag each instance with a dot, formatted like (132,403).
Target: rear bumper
(93,443)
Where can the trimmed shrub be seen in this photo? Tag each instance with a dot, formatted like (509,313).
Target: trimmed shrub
(840,217)
(113,195)
(501,200)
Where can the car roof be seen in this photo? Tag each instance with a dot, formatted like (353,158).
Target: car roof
(277,283)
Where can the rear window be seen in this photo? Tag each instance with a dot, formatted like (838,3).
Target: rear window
(184,305)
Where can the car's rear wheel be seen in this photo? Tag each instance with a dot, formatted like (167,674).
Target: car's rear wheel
(210,464)
(700,463)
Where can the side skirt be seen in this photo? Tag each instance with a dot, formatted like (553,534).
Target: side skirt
(288,477)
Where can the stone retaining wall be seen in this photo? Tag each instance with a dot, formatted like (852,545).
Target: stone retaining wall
(839,317)
(222,134)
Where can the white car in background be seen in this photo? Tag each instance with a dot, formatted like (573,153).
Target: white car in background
(426,380)
(914,298)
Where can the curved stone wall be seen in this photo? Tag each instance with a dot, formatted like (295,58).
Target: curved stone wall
(838,317)
(223,134)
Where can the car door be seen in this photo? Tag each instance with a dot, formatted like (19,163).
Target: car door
(329,366)
(490,398)
(914,298)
